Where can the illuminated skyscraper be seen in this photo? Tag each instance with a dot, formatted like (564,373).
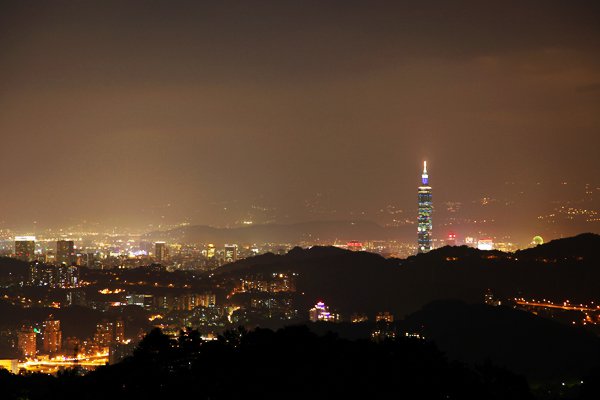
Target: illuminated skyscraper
(425,210)
(25,248)
(231,253)
(119,331)
(210,251)
(66,276)
(105,333)
(161,252)
(65,252)
(52,338)
(27,341)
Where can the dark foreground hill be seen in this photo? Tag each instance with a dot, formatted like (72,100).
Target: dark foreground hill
(362,282)
(542,350)
(292,363)
(538,348)
(585,245)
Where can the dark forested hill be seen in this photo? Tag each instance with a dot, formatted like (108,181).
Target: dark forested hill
(523,342)
(364,282)
(586,245)
(291,363)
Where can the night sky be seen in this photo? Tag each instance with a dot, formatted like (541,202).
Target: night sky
(125,112)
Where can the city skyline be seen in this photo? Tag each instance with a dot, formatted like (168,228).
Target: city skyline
(574,212)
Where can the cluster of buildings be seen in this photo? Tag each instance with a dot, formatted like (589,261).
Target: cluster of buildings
(271,283)
(119,252)
(25,250)
(383,328)
(50,338)
(172,302)
(53,276)
(43,348)
(320,313)
(259,296)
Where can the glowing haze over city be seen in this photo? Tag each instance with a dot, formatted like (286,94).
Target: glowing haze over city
(141,116)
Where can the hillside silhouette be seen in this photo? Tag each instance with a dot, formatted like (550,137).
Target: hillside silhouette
(292,363)
(364,282)
(538,348)
(584,245)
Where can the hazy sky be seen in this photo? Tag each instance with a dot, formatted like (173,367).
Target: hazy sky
(112,110)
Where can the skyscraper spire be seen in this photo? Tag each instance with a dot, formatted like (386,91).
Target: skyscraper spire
(424,176)
(425,211)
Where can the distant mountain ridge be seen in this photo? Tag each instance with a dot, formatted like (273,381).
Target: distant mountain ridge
(327,231)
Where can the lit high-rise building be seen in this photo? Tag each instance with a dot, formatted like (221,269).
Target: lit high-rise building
(231,252)
(52,340)
(90,260)
(210,251)
(425,211)
(485,244)
(161,252)
(27,341)
(105,333)
(67,276)
(206,299)
(65,252)
(25,248)
(119,330)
